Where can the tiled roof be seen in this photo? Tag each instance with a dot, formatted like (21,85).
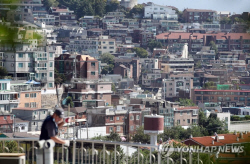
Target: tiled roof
(26,108)
(228,139)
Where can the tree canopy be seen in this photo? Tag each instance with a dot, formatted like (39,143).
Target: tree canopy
(154,44)
(139,136)
(3,72)
(140,52)
(186,102)
(136,10)
(109,60)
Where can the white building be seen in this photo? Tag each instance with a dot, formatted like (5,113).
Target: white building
(159,12)
(8,99)
(106,45)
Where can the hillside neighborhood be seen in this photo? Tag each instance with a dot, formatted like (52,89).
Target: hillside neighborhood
(111,64)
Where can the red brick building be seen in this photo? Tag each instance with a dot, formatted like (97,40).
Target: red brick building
(199,16)
(6,122)
(114,121)
(77,66)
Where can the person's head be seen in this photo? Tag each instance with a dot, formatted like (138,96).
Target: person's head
(58,115)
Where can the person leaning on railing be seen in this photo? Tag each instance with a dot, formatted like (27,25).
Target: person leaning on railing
(51,125)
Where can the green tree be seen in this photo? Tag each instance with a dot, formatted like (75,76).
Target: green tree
(70,101)
(225,20)
(215,48)
(113,87)
(50,3)
(3,72)
(10,145)
(197,65)
(139,136)
(112,5)
(235,118)
(154,44)
(209,85)
(247,117)
(113,136)
(186,102)
(140,52)
(110,60)
(136,10)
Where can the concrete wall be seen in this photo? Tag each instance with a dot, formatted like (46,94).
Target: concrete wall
(92,132)
(239,126)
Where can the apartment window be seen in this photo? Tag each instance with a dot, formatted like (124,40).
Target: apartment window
(92,73)
(131,128)
(27,95)
(194,121)
(181,113)
(34,123)
(20,65)
(117,118)
(51,55)
(20,55)
(104,47)
(44,112)
(111,118)
(188,121)
(50,85)
(93,64)
(118,128)
(111,43)
(195,112)
(33,95)
(92,86)
(3,86)
(93,96)
(131,117)
(178,122)
(110,129)
(27,105)
(188,112)
(5,117)
(137,117)
(33,104)
(29,65)
(51,74)
(51,64)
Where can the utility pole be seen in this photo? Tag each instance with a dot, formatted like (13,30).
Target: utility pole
(68,119)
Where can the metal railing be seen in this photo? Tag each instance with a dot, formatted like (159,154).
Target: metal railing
(82,151)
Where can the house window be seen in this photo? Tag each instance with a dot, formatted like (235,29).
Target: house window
(188,112)
(20,55)
(27,95)
(110,129)
(50,85)
(92,73)
(3,86)
(20,65)
(137,117)
(194,121)
(188,121)
(93,64)
(34,123)
(181,113)
(51,55)
(131,128)
(44,112)
(27,105)
(93,96)
(195,112)
(33,95)
(51,64)
(178,122)
(117,118)
(118,128)
(5,117)
(33,104)
(111,118)
(92,86)
(131,117)
(51,74)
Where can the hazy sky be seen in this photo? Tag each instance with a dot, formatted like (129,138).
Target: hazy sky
(237,6)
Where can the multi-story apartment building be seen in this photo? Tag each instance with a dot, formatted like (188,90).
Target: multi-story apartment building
(167,25)
(199,16)
(148,64)
(177,64)
(92,93)
(63,16)
(30,99)
(8,99)
(204,56)
(224,41)
(22,12)
(35,116)
(186,116)
(152,79)
(226,98)
(154,11)
(106,45)
(135,64)
(77,66)
(90,22)
(6,122)
(175,83)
